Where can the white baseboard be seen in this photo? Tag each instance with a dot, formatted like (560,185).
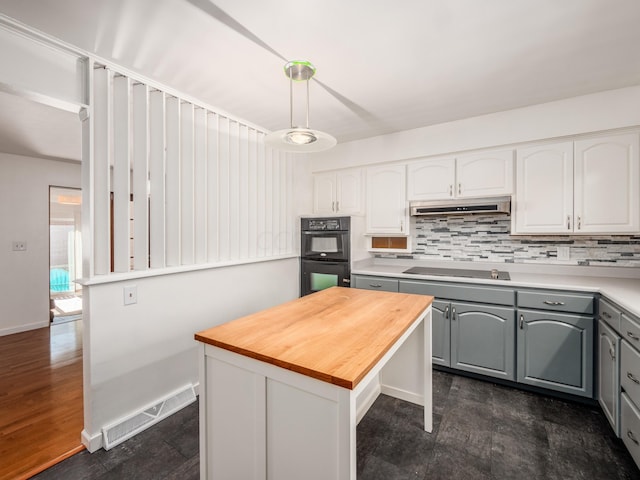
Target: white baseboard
(402,394)
(91,442)
(23,328)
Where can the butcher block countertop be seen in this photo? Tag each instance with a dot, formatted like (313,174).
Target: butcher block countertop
(335,335)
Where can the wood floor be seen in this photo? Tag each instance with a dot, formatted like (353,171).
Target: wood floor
(41,413)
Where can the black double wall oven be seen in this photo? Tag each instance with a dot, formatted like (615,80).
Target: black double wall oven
(325,253)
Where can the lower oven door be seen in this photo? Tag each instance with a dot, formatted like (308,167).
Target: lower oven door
(317,275)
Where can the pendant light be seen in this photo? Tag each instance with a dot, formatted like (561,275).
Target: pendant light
(299,139)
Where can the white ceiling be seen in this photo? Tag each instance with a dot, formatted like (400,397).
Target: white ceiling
(382,66)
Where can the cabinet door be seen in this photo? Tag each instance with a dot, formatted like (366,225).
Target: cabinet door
(607,184)
(544,189)
(386,200)
(609,374)
(432,179)
(349,192)
(324,193)
(555,351)
(484,174)
(441,333)
(482,339)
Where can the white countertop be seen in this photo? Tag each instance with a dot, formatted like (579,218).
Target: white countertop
(620,285)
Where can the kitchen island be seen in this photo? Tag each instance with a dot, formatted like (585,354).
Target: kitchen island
(278,388)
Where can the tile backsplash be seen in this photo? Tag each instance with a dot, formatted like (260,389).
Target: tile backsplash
(486,238)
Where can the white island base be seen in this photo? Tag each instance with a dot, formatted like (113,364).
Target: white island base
(259,421)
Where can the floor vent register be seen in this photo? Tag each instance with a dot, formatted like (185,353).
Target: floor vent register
(127,427)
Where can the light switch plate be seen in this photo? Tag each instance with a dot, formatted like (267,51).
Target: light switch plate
(130,295)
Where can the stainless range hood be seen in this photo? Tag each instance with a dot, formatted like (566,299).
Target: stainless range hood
(466,206)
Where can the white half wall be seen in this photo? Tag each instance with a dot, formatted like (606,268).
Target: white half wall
(137,354)
(24,216)
(589,113)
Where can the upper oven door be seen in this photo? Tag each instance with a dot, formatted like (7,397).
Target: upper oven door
(326,245)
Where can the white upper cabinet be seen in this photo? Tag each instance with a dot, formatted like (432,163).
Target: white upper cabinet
(607,181)
(337,193)
(324,193)
(586,186)
(482,174)
(544,186)
(387,211)
(431,179)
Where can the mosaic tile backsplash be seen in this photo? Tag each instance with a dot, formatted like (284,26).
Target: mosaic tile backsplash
(486,238)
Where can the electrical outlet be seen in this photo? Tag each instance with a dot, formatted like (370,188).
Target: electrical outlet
(19,246)
(564,253)
(130,295)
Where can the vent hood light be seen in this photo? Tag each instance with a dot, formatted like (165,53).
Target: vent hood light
(487,206)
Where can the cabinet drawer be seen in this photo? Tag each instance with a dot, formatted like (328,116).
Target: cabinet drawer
(558,302)
(376,283)
(609,314)
(466,293)
(630,372)
(630,427)
(630,330)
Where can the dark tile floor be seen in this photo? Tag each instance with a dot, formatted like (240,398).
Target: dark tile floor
(481,431)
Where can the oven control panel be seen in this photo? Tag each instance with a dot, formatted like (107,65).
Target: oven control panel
(315,224)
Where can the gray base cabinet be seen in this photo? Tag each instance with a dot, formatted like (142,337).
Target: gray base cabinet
(539,337)
(556,351)
(630,427)
(609,374)
(482,339)
(441,333)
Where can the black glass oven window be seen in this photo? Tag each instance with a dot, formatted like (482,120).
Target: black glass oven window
(324,244)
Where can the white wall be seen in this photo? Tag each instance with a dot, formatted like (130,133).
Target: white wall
(24,216)
(589,113)
(137,354)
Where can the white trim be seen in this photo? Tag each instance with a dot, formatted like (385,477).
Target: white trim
(121,277)
(23,328)
(91,442)
(43,99)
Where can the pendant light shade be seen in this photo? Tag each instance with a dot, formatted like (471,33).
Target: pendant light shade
(299,139)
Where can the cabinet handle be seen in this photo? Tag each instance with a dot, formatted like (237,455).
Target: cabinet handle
(632,437)
(606,314)
(401,225)
(612,353)
(568,222)
(521,322)
(460,189)
(550,302)
(446,312)
(375,285)
(579,223)
(632,336)
(453,313)
(333,206)
(632,377)
(337,206)
(450,190)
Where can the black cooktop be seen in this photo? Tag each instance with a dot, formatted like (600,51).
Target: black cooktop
(459,272)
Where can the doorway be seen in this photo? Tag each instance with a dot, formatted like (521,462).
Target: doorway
(65,254)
